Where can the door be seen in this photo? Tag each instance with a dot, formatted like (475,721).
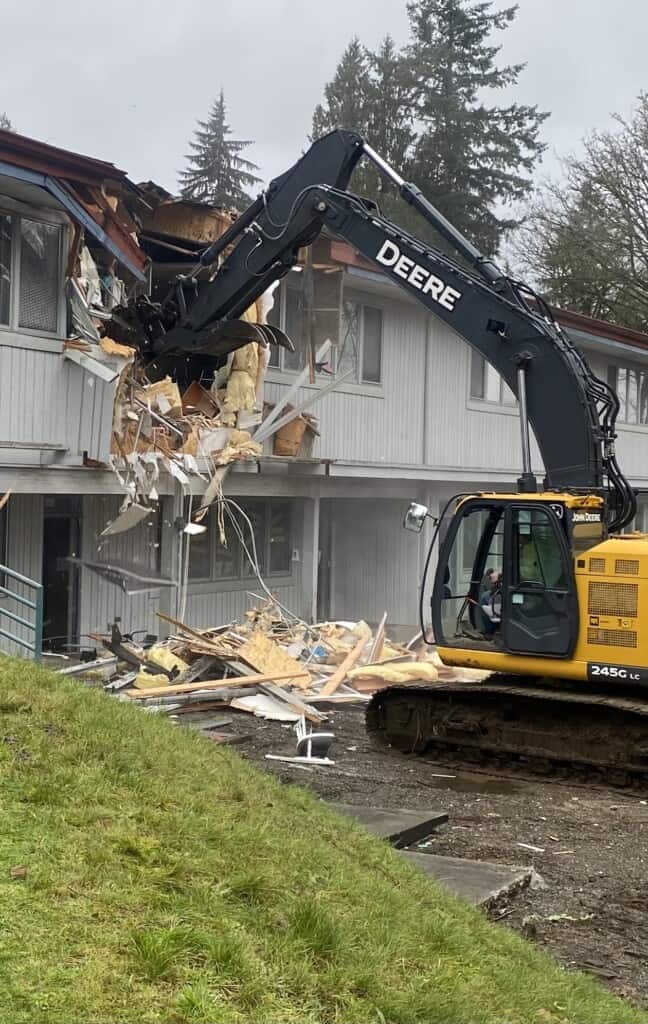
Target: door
(465,598)
(61,529)
(540,607)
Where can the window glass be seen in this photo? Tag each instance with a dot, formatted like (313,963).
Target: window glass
(200,551)
(486,383)
(372,345)
(255,512)
(477,366)
(631,386)
(227,557)
(5,266)
(40,254)
(347,351)
(279,537)
(538,552)
(295,328)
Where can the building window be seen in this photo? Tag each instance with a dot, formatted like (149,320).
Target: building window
(631,385)
(360,347)
(287,313)
(271,521)
(486,385)
(31,260)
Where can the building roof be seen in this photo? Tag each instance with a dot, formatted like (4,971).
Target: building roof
(40,156)
(95,193)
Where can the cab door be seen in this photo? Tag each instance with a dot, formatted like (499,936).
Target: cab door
(539,602)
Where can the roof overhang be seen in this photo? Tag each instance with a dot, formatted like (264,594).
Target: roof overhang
(126,251)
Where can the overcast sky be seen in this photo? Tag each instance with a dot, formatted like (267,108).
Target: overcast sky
(125,81)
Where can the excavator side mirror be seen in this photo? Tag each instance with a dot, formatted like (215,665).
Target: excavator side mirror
(415,517)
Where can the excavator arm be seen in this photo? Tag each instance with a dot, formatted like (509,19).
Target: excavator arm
(571,411)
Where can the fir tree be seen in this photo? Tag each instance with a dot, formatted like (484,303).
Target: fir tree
(347,96)
(5,123)
(470,158)
(369,95)
(217,173)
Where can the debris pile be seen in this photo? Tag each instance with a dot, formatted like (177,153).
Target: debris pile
(269,665)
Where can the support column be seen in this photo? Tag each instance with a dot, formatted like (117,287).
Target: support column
(310,557)
(170,557)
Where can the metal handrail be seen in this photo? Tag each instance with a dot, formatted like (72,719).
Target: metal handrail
(35,603)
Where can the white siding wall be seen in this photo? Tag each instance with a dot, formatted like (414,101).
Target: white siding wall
(100,601)
(24,555)
(376,565)
(382,424)
(45,399)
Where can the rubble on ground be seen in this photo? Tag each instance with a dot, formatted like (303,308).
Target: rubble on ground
(271,665)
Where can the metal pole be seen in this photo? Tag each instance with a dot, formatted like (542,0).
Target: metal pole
(527,482)
(38,623)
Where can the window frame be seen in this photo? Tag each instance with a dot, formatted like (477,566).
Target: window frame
(482,401)
(612,377)
(18,211)
(241,580)
(357,383)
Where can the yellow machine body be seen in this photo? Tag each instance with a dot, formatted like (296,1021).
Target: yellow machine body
(611,580)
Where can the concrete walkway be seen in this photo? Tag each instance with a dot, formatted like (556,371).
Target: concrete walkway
(477,881)
(398,827)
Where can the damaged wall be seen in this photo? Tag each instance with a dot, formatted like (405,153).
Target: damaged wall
(381,423)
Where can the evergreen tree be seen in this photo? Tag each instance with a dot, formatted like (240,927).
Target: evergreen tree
(470,158)
(347,96)
(369,94)
(217,173)
(5,123)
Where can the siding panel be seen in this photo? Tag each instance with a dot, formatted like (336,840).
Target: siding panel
(24,555)
(385,427)
(376,565)
(46,400)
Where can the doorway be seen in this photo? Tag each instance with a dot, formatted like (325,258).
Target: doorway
(61,536)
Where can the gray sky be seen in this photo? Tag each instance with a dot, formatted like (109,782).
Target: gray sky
(125,81)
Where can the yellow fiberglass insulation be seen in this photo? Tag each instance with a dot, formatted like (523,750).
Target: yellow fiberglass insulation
(241,391)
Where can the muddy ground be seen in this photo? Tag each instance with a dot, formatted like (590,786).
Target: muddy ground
(593,915)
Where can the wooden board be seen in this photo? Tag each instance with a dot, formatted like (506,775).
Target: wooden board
(264,655)
(339,675)
(212,684)
(293,702)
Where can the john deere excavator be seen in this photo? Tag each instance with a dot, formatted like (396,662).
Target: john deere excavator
(565,631)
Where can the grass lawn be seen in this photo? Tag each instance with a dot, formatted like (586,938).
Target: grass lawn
(168,880)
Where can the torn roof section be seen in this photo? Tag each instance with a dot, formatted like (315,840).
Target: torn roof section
(97,195)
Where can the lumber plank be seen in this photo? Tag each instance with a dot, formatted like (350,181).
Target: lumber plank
(211,684)
(379,640)
(339,675)
(293,702)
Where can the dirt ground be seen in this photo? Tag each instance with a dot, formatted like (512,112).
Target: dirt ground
(590,842)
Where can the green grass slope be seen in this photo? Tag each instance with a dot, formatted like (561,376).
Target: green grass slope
(168,880)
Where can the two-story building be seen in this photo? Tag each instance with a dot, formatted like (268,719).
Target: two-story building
(417,415)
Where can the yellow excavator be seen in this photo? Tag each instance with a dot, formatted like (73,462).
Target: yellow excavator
(562,623)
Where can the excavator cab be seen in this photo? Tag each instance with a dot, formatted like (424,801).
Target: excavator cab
(505,580)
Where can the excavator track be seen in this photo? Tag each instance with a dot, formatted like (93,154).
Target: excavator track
(504,722)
